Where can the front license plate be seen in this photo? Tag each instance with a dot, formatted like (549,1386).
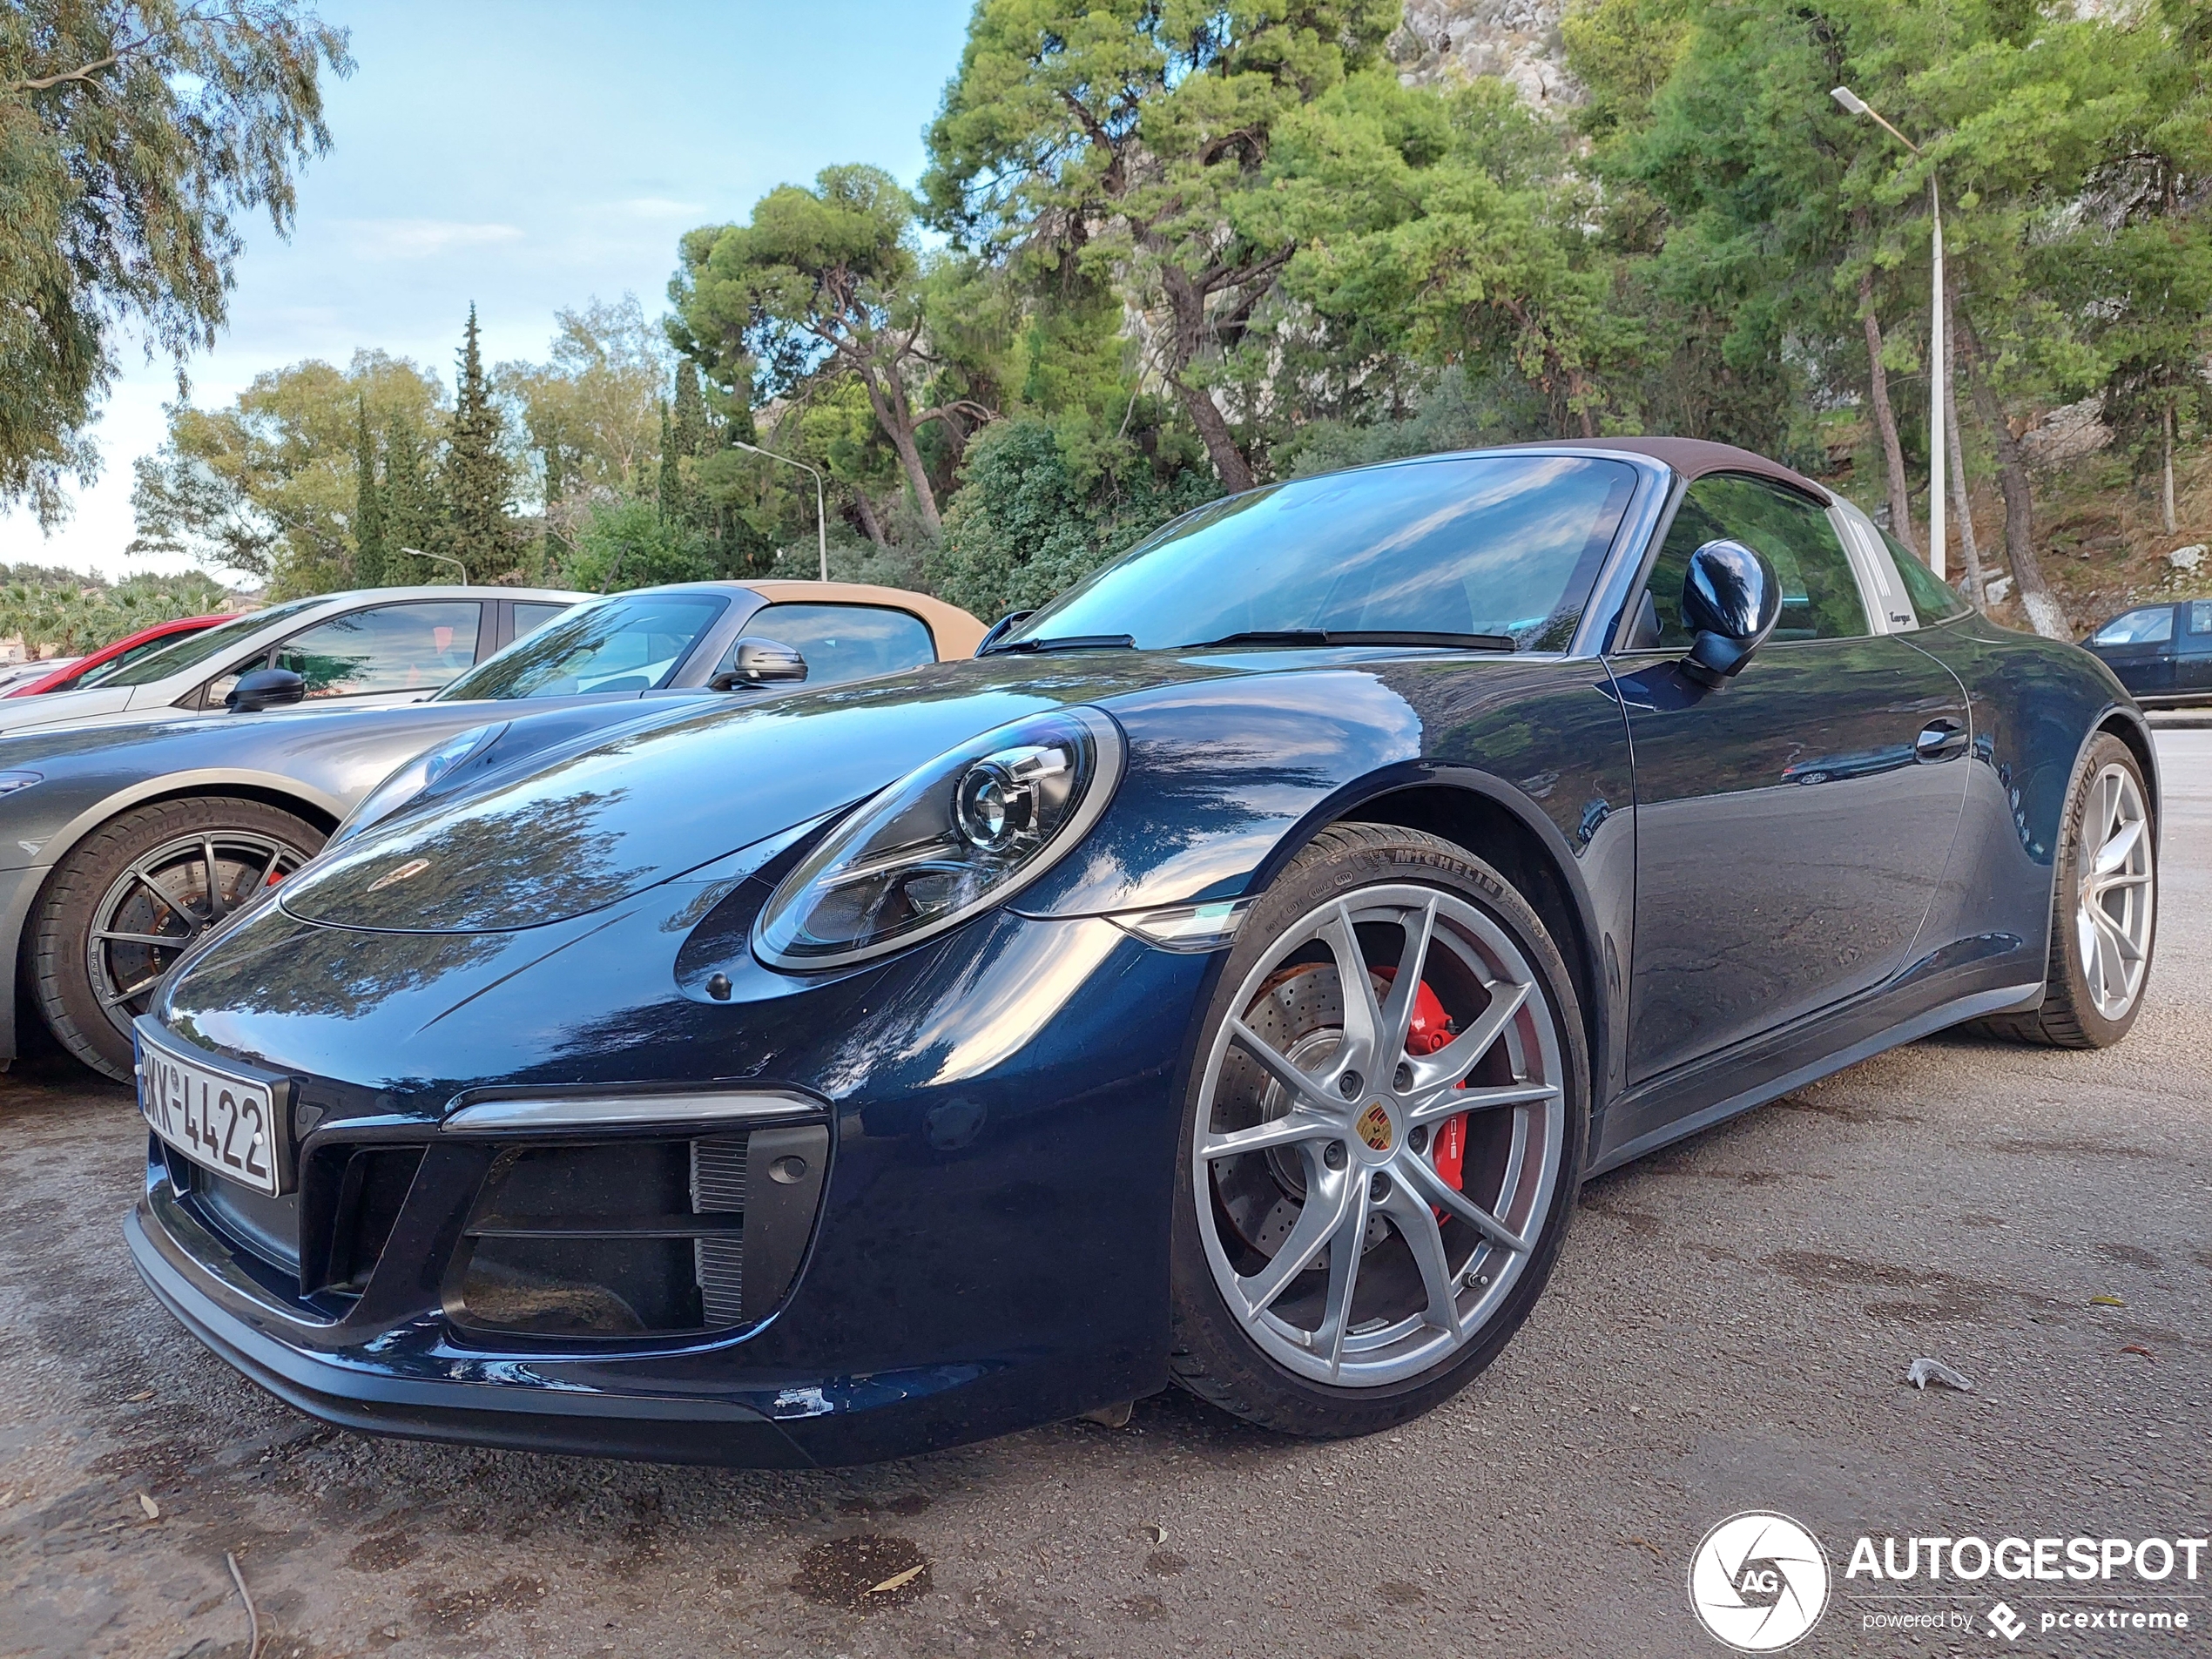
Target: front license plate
(226,1124)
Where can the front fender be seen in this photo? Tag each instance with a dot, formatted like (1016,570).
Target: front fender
(1524,761)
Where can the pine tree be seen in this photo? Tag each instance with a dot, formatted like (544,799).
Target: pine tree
(478,484)
(672,479)
(411,516)
(552,554)
(368,506)
(693,438)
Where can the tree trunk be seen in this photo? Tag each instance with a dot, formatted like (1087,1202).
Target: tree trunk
(1885,419)
(1187,306)
(2166,479)
(2036,597)
(1213,430)
(888,398)
(864,509)
(1976,588)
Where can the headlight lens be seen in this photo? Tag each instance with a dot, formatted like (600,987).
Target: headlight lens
(969,829)
(11,781)
(411,780)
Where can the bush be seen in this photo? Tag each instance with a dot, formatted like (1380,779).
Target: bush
(1024,527)
(628,545)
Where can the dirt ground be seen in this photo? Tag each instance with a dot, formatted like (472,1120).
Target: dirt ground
(1729,1328)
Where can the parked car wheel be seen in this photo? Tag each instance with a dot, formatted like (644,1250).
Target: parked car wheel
(1382,1140)
(127,901)
(2103,908)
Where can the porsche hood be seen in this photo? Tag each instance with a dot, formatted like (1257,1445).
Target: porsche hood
(647,807)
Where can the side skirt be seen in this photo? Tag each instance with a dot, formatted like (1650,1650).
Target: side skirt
(2006,999)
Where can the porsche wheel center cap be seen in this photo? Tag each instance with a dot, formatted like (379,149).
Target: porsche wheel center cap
(1375,1127)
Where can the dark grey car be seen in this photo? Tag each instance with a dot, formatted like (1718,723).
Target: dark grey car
(121,844)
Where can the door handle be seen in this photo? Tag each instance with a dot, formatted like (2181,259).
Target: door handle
(1939,740)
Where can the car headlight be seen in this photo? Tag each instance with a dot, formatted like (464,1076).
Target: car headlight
(11,781)
(971,828)
(411,780)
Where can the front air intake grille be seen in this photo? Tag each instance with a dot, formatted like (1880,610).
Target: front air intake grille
(639,1238)
(718,1188)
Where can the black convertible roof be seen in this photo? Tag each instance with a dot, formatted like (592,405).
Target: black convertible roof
(1694,458)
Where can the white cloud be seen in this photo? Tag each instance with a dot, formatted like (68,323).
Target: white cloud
(423,238)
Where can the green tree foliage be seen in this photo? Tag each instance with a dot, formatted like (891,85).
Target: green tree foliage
(67,614)
(630,543)
(369,551)
(1136,136)
(133,133)
(1024,526)
(414,516)
(822,281)
(589,411)
(477,478)
(270,486)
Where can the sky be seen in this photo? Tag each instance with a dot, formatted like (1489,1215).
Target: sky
(527,158)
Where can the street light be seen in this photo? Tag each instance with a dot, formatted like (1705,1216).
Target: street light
(1938,378)
(821,514)
(442,558)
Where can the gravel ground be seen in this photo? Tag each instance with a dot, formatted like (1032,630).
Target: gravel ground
(1729,1329)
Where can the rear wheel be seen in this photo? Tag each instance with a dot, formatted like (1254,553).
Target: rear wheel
(128,899)
(1383,1140)
(2103,908)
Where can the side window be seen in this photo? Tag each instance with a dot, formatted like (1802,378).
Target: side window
(2200,616)
(847,642)
(530,615)
(388,648)
(211,695)
(1820,598)
(2154,625)
(1934,597)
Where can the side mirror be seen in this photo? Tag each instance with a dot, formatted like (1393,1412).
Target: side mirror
(1730,600)
(998,630)
(264,688)
(758,661)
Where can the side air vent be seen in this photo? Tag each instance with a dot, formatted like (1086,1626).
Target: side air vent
(639,1238)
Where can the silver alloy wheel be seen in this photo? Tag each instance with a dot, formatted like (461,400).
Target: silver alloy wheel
(2113,912)
(155,910)
(1358,1283)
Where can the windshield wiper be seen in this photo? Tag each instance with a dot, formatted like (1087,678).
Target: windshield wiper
(1067,642)
(1359,636)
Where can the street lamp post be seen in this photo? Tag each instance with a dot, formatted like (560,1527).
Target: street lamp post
(821,513)
(1938,380)
(442,558)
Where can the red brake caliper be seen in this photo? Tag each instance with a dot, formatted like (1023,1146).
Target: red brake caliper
(1430,1030)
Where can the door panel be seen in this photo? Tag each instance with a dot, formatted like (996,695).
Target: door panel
(2139,647)
(1791,830)
(2193,663)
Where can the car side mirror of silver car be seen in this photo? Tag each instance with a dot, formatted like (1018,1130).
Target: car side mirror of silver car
(1730,601)
(755,660)
(264,688)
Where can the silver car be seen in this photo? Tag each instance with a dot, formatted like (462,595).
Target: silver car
(365,648)
(121,844)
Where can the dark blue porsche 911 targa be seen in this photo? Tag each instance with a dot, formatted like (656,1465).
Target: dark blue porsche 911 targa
(1226,977)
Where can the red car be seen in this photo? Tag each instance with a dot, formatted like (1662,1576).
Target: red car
(87,670)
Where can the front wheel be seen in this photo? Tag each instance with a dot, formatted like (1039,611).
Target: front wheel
(1382,1140)
(126,901)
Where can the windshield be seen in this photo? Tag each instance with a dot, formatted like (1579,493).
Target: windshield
(633,642)
(192,649)
(1505,546)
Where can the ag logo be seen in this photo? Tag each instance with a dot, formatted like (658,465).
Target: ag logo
(1374,1127)
(1759,1581)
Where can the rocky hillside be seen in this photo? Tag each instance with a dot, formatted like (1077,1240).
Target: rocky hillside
(1515,40)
